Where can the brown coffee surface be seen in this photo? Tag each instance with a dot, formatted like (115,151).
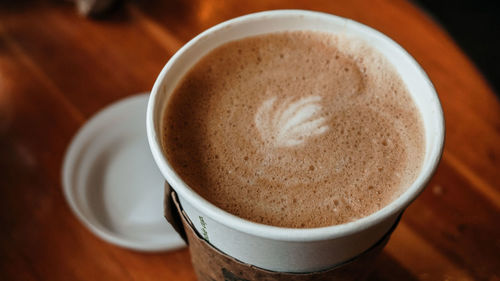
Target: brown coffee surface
(296,129)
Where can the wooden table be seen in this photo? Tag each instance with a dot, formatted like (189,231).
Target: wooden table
(57,69)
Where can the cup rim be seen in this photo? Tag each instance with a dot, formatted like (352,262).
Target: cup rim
(283,233)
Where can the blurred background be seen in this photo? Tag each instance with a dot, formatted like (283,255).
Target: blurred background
(475,26)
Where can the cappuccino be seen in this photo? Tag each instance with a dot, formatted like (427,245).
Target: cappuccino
(295,129)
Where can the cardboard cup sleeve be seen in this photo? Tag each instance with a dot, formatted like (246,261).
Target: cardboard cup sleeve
(211,264)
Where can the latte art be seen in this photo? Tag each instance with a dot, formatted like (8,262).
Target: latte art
(294,129)
(291,122)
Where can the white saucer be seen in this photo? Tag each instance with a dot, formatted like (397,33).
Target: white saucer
(111,182)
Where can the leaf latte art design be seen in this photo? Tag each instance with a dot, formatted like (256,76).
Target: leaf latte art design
(290,123)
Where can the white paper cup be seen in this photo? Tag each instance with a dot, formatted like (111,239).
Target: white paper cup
(287,249)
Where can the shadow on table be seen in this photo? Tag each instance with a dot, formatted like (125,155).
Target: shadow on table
(387,268)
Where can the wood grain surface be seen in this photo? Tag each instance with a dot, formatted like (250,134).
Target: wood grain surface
(57,69)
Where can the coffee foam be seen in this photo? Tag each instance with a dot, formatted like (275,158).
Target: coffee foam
(290,123)
(295,129)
